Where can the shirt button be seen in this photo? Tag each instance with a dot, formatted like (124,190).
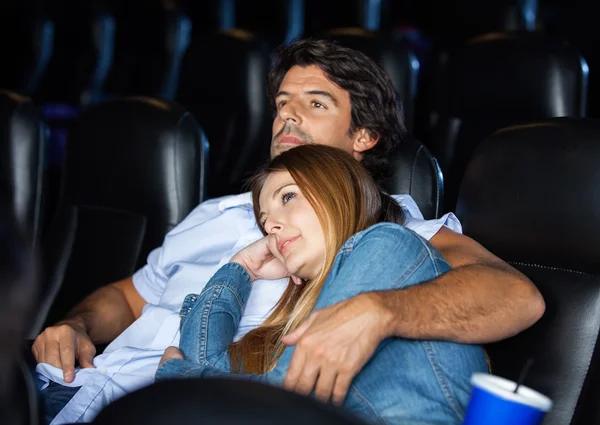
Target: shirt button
(102,371)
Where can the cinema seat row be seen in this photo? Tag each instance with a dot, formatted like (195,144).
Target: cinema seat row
(529,194)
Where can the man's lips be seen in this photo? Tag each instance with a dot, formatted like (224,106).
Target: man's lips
(292,140)
(284,244)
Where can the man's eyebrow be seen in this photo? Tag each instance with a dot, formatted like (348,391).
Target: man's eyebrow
(282,93)
(324,94)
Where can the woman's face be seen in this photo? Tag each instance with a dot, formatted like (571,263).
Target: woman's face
(287,214)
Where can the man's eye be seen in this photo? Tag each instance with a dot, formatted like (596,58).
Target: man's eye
(287,197)
(280,104)
(317,105)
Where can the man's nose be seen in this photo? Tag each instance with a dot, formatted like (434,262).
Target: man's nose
(289,113)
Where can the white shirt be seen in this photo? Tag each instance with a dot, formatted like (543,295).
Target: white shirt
(191,253)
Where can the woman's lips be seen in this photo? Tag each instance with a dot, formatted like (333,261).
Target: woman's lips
(285,244)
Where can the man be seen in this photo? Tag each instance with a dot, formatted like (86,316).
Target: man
(325,94)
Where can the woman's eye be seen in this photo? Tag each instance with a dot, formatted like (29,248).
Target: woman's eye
(317,105)
(287,197)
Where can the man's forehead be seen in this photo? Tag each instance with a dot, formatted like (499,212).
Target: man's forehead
(306,78)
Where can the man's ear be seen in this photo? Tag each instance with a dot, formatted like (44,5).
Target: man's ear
(363,141)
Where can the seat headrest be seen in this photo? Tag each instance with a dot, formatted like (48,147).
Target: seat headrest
(136,154)
(235,115)
(530,194)
(516,74)
(396,59)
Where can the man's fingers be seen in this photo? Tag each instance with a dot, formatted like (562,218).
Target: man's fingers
(295,370)
(340,389)
(67,357)
(52,354)
(86,355)
(325,384)
(293,337)
(307,379)
(35,351)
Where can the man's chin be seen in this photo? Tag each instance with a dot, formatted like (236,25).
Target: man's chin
(282,147)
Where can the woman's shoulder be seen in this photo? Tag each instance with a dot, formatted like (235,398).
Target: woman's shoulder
(378,230)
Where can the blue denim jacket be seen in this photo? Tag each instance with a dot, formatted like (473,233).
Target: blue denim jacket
(406,381)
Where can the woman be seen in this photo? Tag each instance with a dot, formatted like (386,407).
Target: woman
(329,228)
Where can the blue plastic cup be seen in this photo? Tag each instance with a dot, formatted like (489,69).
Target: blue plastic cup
(493,402)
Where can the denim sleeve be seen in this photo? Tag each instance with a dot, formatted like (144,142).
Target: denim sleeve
(209,320)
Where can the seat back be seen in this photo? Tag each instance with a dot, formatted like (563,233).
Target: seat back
(148,51)
(27,41)
(82,54)
(530,195)
(414,171)
(393,56)
(22,160)
(498,80)
(19,287)
(222,402)
(134,170)
(228,97)
(285,17)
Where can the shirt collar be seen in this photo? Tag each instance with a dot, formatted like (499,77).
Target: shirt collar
(243,199)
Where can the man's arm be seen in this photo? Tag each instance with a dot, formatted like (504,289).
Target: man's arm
(98,319)
(482,299)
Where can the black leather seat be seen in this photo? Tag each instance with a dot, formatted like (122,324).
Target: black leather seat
(228,97)
(448,22)
(26,43)
(393,56)
(22,160)
(152,38)
(530,195)
(219,402)
(134,170)
(84,37)
(19,286)
(498,80)
(322,16)
(417,173)
(286,19)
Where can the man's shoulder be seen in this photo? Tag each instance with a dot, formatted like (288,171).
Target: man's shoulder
(221,212)
(408,204)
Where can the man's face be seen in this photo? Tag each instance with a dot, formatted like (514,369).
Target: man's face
(311,109)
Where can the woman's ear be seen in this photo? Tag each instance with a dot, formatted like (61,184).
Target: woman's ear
(363,141)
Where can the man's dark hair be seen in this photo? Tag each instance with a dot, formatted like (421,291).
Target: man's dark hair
(372,96)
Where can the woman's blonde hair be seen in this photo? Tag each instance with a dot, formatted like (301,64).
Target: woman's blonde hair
(346,201)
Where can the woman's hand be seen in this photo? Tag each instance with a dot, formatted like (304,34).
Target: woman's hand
(261,259)
(171,353)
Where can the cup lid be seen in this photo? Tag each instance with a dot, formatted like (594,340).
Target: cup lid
(504,388)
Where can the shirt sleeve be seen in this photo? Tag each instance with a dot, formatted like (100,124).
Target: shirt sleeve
(150,281)
(425,228)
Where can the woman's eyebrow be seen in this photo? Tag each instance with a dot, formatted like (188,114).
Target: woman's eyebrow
(279,190)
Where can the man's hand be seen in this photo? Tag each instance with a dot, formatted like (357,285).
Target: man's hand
(60,345)
(333,345)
